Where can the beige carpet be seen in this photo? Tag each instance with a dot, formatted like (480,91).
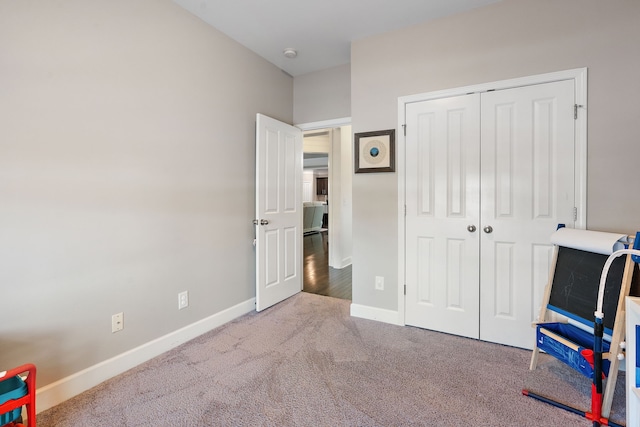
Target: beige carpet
(306,362)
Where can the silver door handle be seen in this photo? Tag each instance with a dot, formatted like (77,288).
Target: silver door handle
(264,221)
(471,228)
(488,229)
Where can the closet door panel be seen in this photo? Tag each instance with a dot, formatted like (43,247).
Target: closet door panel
(527,188)
(442,184)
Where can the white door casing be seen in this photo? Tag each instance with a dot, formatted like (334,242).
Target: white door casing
(442,177)
(278,211)
(527,189)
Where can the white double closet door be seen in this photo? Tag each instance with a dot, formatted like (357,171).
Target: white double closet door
(488,178)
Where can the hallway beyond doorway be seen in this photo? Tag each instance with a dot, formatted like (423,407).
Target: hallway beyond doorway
(319,278)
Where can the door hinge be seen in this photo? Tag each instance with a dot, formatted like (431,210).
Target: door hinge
(405,289)
(404,128)
(575,110)
(575,214)
(405,210)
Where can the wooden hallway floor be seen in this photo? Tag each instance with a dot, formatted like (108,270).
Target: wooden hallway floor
(319,278)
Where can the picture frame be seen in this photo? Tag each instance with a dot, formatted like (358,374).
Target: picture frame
(375,151)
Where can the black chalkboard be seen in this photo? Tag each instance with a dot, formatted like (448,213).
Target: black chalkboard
(574,289)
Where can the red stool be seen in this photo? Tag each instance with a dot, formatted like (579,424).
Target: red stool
(29,399)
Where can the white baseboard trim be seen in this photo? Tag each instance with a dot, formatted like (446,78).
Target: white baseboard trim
(66,388)
(346,262)
(378,314)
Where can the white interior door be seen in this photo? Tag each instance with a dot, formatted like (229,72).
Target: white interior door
(442,195)
(527,190)
(278,211)
(488,178)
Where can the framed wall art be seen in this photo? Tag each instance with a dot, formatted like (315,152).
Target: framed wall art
(375,151)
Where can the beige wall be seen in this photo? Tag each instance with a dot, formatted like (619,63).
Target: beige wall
(513,38)
(322,95)
(126,175)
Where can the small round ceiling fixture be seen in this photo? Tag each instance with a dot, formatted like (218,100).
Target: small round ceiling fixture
(290,53)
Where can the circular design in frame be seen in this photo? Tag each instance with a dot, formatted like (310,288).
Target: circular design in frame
(375,152)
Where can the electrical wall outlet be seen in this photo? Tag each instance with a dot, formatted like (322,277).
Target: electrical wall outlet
(117,322)
(183,300)
(380,283)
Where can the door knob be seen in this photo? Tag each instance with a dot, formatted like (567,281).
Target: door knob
(471,228)
(264,221)
(488,229)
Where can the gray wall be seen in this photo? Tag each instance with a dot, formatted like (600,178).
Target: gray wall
(322,95)
(513,38)
(126,175)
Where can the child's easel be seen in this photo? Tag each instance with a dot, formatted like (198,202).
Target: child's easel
(576,301)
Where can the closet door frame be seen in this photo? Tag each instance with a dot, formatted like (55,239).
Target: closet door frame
(579,78)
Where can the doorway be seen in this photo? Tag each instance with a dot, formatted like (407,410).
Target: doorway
(327,188)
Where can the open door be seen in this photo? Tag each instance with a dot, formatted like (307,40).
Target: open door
(278,211)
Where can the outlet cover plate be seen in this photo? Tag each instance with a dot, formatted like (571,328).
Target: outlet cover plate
(117,322)
(183,300)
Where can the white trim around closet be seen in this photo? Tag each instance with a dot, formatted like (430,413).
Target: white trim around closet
(578,75)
